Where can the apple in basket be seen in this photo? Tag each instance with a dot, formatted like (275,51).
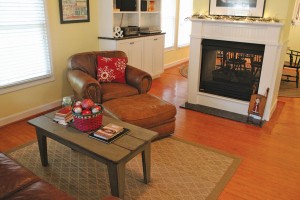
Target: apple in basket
(87,104)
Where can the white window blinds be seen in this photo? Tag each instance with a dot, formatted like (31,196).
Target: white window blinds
(24,50)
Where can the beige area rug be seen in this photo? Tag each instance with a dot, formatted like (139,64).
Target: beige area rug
(180,170)
(288,89)
(183,70)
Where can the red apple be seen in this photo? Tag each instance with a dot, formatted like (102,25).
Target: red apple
(87,104)
(86,112)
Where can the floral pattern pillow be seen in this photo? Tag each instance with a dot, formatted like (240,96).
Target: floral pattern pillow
(111,69)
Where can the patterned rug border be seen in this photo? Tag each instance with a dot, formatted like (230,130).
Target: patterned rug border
(18,147)
(227,175)
(216,191)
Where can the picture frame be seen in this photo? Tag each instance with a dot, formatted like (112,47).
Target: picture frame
(74,11)
(240,8)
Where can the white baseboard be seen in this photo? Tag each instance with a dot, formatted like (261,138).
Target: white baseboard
(177,62)
(22,115)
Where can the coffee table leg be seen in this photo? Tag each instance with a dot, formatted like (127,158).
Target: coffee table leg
(117,179)
(42,142)
(146,158)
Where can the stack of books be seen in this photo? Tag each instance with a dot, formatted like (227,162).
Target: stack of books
(64,115)
(109,133)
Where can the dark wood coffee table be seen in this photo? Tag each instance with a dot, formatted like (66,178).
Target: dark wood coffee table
(115,155)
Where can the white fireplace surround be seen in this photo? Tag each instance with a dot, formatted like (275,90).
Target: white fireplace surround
(268,34)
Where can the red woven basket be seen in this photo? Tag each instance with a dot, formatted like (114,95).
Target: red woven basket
(87,123)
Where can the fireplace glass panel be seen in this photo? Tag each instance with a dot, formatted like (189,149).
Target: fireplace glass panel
(231,69)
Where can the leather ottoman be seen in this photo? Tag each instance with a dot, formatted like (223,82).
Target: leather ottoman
(145,110)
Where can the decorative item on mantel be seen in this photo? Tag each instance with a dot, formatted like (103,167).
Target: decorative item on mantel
(234,18)
(118,33)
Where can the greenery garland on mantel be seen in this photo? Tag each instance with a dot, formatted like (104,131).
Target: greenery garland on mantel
(235,18)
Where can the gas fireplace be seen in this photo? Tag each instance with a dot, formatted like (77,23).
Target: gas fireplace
(230,69)
(230,60)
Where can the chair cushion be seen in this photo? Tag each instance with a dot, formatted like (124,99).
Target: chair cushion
(143,110)
(111,91)
(111,69)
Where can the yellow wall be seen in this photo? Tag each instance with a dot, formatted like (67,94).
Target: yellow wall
(294,39)
(66,39)
(176,55)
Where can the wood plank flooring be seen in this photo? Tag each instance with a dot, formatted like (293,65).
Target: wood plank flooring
(270,168)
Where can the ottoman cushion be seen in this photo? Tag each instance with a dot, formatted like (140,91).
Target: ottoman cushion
(144,110)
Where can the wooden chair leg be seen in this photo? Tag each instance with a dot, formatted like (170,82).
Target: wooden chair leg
(297,78)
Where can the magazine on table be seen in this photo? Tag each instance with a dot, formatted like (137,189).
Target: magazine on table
(109,133)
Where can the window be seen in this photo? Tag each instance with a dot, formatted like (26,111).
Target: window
(296,16)
(24,50)
(184,28)
(168,21)
(174,13)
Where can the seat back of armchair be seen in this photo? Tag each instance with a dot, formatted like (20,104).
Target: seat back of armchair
(87,61)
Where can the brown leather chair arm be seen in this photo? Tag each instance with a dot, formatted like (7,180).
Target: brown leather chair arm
(138,79)
(84,86)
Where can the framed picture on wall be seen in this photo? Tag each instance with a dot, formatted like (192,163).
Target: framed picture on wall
(74,11)
(251,8)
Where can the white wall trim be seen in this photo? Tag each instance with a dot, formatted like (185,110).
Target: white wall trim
(177,62)
(27,113)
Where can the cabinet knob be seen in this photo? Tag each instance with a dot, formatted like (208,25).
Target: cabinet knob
(131,43)
(155,39)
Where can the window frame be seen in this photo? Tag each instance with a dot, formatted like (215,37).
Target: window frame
(296,14)
(38,81)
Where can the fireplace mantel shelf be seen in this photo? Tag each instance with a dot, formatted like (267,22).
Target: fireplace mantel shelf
(237,22)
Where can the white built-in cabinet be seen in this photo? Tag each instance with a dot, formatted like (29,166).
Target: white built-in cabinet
(153,54)
(145,52)
(133,49)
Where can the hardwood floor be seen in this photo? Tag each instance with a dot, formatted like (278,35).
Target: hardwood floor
(270,167)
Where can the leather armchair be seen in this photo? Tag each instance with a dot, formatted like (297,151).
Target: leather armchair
(82,76)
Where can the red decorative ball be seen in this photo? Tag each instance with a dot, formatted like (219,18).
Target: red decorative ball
(78,103)
(77,109)
(87,104)
(86,112)
(96,109)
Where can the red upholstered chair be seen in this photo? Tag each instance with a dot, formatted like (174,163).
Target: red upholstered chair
(82,76)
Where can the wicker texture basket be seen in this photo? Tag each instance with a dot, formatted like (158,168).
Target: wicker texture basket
(87,123)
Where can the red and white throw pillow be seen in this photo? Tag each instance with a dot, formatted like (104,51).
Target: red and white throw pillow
(111,69)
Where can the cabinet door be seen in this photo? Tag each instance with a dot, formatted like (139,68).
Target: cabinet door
(158,55)
(133,49)
(148,55)
(153,54)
